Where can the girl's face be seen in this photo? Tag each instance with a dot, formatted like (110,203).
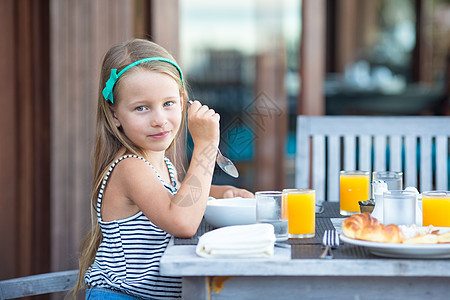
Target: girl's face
(149,109)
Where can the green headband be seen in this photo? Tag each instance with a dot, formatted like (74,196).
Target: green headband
(108,90)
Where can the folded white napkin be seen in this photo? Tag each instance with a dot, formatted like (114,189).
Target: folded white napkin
(255,240)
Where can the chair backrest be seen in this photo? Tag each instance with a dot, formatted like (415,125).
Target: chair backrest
(418,146)
(38,284)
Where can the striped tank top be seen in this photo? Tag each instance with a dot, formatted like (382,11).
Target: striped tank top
(128,257)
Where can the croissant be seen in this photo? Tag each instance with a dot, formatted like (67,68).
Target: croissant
(364,227)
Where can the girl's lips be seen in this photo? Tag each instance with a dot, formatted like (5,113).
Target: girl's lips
(160,135)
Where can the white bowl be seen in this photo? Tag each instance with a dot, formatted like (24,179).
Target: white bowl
(231,211)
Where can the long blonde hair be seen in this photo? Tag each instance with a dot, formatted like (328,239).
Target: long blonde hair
(110,139)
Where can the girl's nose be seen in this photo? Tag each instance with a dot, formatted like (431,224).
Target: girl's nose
(158,119)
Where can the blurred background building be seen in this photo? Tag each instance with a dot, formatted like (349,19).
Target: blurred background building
(259,63)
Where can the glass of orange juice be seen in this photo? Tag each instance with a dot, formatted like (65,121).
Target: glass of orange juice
(354,187)
(300,211)
(436,208)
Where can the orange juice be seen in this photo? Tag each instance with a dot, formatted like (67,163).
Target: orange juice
(301,212)
(354,187)
(436,208)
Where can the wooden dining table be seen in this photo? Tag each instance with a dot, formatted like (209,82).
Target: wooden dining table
(297,272)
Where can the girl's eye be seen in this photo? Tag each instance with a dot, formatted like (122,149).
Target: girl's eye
(168,103)
(140,108)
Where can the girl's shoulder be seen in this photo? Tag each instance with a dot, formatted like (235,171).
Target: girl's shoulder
(123,157)
(129,162)
(133,172)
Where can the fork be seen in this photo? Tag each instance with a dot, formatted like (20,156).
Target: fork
(330,241)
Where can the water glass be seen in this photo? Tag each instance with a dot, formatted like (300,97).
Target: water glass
(301,212)
(399,207)
(394,180)
(354,187)
(269,209)
(436,208)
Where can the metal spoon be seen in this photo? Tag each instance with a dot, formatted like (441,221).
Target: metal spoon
(226,164)
(223,162)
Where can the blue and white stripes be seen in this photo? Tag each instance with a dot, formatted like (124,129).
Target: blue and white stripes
(129,255)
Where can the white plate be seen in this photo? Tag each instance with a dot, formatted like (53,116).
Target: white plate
(231,211)
(398,250)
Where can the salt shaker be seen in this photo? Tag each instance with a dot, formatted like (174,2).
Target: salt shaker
(419,219)
(378,188)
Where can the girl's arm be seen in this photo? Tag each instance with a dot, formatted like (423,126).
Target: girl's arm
(228,191)
(179,215)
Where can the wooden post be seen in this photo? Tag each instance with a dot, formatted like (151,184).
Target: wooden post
(82,31)
(346,39)
(25,129)
(9,255)
(269,116)
(163,31)
(268,112)
(312,58)
(422,53)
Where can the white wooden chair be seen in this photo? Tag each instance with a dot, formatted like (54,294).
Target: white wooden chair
(417,145)
(38,284)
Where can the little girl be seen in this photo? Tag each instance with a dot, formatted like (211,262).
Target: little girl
(137,201)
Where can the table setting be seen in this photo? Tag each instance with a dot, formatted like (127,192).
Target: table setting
(308,242)
(238,239)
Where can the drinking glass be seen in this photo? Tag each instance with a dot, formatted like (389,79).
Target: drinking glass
(436,208)
(301,212)
(269,209)
(399,207)
(394,180)
(354,187)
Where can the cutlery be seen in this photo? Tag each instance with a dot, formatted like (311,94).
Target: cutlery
(282,245)
(223,162)
(330,241)
(319,206)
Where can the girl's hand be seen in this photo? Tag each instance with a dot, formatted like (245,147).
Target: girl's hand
(235,192)
(228,191)
(203,124)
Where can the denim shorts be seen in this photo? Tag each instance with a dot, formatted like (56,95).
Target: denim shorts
(97,293)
